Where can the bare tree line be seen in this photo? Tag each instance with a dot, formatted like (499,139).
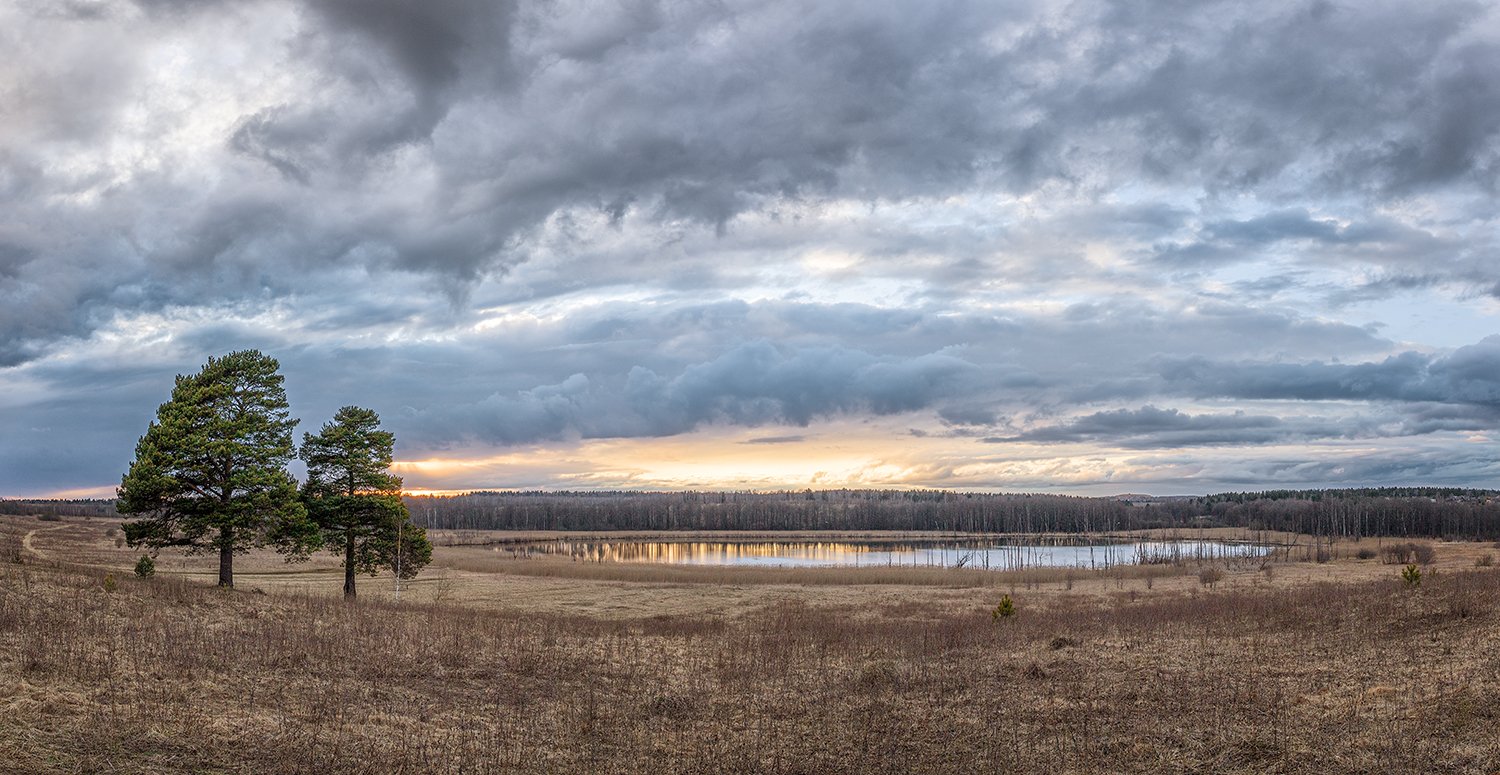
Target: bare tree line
(1433,513)
(1350,513)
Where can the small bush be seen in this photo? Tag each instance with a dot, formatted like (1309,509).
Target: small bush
(1005,610)
(676,707)
(1365,554)
(878,677)
(1210,576)
(1412,575)
(1485,561)
(110,584)
(1407,553)
(1465,605)
(145,567)
(1062,642)
(49,518)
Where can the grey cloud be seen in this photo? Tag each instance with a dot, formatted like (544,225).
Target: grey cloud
(646,370)
(1470,375)
(968,415)
(1150,427)
(752,385)
(361,187)
(516,113)
(1369,469)
(1158,427)
(775,440)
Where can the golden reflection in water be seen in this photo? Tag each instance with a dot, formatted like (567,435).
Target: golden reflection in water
(1045,551)
(718,552)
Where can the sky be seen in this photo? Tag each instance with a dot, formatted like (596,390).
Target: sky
(1082,247)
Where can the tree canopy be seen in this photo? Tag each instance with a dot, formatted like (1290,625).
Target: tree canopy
(210,472)
(356,501)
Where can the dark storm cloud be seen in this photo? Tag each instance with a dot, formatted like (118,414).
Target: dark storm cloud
(630,370)
(1470,375)
(754,384)
(1369,469)
(510,114)
(1150,427)
(982,211)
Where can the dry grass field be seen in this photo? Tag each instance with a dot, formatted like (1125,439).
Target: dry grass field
(495,664)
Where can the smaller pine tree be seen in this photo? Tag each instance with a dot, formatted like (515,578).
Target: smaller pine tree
(1005,610)
(1412,575)
(145,567)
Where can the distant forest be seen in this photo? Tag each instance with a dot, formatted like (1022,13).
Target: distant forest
(1428,512)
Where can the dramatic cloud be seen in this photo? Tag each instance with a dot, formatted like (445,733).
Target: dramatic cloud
(1094,234)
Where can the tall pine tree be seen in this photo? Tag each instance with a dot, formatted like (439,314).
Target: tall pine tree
(355,499)
(210,473)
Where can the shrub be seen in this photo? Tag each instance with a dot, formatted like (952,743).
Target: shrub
(49,518)
(676,707)
(110,584)
(1365,554)
(1407,553)
(1005,610)
(1485,561)
(11,550)
(145,567)
(1412,575)
(1210,576)
(1062,642)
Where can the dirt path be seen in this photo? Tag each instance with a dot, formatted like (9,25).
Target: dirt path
(28,546)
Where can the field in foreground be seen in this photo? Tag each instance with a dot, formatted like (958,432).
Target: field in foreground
(1288,671)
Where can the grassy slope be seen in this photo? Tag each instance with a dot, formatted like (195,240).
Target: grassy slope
(175,676)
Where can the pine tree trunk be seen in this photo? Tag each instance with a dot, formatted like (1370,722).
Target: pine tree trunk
(348,567)
(226,557)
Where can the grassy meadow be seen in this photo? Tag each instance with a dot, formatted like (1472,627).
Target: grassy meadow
(489,663)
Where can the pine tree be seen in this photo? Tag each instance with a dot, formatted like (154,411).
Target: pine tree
(210,473)
(355,499)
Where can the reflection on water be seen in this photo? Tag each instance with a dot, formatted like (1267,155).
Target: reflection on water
(953,553)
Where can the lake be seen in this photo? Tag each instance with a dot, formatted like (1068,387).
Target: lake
(992,554)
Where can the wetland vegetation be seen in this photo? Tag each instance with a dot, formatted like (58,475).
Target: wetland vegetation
(496,664)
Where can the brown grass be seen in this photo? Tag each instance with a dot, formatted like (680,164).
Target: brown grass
(171,675)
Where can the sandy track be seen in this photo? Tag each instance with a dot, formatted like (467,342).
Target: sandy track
(28,546)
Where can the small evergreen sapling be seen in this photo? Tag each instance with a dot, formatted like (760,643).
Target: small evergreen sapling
(1412,575)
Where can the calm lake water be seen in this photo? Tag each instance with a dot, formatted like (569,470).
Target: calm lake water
(986,554)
